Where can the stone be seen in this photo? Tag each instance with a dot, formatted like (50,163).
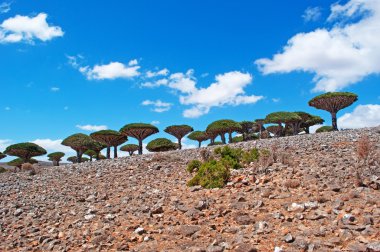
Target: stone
(18,212)
(189,230)
(139,231)
(288,238)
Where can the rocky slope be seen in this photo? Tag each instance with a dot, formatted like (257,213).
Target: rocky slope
(306,201)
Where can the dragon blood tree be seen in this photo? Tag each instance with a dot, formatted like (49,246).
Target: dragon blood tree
(309,120)
(95,148)
(78,142)
(247,128)
(198,136)
(275,130)
(25,151)
(18,162)
(111,138)
(160,145)
(333,102)
(289,118)
(55,157)
(72,159)
(179,131)
(221,127)
(130,148)
(260,123)
(90,154)
(2,155)
(140,131)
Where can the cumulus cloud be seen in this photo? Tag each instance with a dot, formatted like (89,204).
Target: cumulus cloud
(162,72)
(5,7)
(55,89)
(362,116)
(227,90)
(155,122)
(111,71)
(158,106)
(52,145)
(338,57)
(89,127)
(312,14)
(28,29)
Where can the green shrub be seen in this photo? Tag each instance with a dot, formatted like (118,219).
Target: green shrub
(194,165)
(2,169)
(215,143)
(212,174)
(237,139)
(324,129)
(230,157)
(251,156)
(231,163)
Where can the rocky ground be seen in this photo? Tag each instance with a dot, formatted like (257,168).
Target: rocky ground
(308,200)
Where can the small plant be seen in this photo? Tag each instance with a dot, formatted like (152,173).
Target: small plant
(266,158)
(27,167)
(2,169)
(251,156)
(212,174)
(230,157)
(363,147)
(194,165)
(205,155)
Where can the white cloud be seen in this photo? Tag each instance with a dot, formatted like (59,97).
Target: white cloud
(158,106)
(5,7)
(162,72)
(312,14)
(4,143)
(28,29)
(227,90)
(89,127)
(362,116)
(52,145)
(276,100)
(340,56)
(74,60)
(110,71)
(133,62)
(55,89)
(155,122)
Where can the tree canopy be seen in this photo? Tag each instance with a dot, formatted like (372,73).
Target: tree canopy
(221,127)
(290,118)
(179,131)
(25,151)
(109,138)
(55,157)
(333,102)
(18,162)
(324,129)
(199,136)
(130,148)
(2,155)
(140,131)
(161,144)
(78,142)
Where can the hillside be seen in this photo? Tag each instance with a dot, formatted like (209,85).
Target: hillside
(306,201)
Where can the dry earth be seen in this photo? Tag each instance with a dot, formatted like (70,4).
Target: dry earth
(306,201)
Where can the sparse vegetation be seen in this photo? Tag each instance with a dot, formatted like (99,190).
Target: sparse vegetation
(198,136)
(211,174)
(109,138)
(251,156)
(18,162)
(221,127)
(78,142)
(130,148)
(2,169)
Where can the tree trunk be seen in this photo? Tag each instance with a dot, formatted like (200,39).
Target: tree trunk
(307,130)
(130,153)
(90,158)
(334,123)
(97,155)
(79,156)
(229,137)
(223,137)
(140,147)
(115,152)
(179,144)
(199,144)
(108,152)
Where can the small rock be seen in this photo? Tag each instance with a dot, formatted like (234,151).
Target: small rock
(89,216)
(139,230)
(288,238)
(18,212)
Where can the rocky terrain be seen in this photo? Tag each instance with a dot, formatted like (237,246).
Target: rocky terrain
(308,200)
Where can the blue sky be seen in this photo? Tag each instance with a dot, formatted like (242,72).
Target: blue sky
(69,64)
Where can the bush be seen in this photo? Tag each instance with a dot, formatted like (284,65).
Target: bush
(324,129)
(215,143)
(212,174)
(230,157)
(27,167)
(2,169)
(251,156)
(237,139)
(194,165)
